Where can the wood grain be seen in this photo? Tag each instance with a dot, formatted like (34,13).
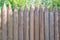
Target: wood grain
(26,24)
(46,23)
(36,22)
(31,23)
(20,23)
(10,23)
(15,23)
(56,24)
(4,22)
(41,22)
(51,24)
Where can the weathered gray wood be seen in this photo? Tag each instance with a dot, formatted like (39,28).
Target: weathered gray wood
(10,23)
(0,27)
(4,22)
(59,22)
(15,23)
(20,19)
(31,23)
(41,22)
(46,23)
(56,24)
(26,24)
(51,24)
(0,20)
(36,23)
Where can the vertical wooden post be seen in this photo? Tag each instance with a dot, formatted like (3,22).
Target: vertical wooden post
(41,19)
(59,22)
(46,23)
(4,22)
(56,24)
(20,19)
(0,27)
(51,24)
(15,23)
(36,23)
(10,23)
(26,24)
(31,23)
(0,20)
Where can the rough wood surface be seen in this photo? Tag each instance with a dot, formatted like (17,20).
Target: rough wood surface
(31,23)
(46,23)
(4,22)
(10,23)
(56,24)
(20,23)
(0,20)
(51,24)
(26,24)
(59,23)
(15,23)
(41,22)
(0,27)
(36,23)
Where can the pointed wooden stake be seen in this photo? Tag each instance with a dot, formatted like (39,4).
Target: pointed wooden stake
(0,27)
(31,23)
(56,24)
(10,23)
(46,23)
(36,22)
(41,22)
(51,24)
(26,24)
(15,23)
(20,23)
(4,22)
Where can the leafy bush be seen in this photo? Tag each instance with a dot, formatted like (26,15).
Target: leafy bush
(28,2)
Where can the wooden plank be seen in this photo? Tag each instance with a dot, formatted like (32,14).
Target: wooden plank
(10,23)
(15,23)
(0,20)
(36,22)
(20,19)
(59,22)
(46,23)
(4,22)
(51,24)
(26,24)
(41,22)
(0,27)
(56,24)
(31,23)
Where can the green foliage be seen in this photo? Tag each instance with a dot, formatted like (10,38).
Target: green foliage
(13,2)
(56,2)
(1,3)
(18,3)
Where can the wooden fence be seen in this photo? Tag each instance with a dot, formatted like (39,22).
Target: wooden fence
(34,24)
